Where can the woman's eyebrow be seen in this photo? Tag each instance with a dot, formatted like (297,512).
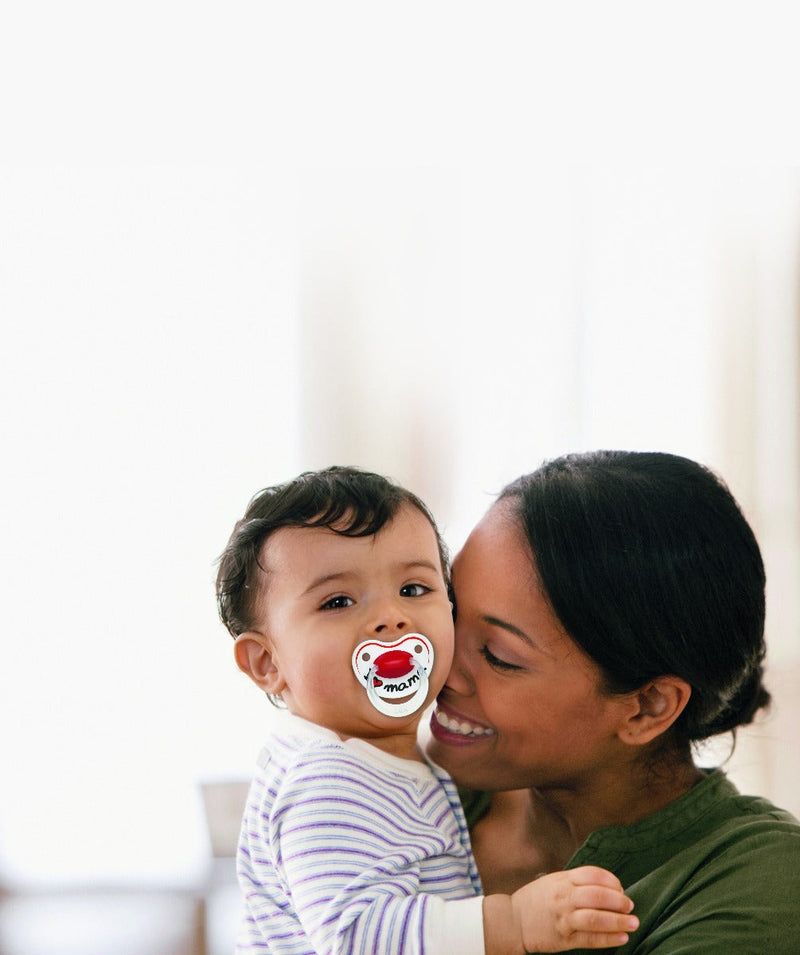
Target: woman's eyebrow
(504,625)
(510,628)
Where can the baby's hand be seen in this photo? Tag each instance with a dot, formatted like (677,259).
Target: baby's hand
(579,908)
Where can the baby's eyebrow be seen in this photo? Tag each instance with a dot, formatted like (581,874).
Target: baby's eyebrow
(405,565)
(420,562)
(325,579)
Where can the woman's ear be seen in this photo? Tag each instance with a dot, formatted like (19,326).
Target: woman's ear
(654,708)
(255,657)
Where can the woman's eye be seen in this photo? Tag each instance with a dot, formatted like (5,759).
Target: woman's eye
(337,603)
(414,590)
(496,662)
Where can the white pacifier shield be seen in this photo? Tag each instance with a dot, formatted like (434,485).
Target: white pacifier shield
(390,671)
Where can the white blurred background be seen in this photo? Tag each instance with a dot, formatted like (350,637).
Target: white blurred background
(240,242)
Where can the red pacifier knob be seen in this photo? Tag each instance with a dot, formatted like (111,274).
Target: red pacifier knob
(393,663)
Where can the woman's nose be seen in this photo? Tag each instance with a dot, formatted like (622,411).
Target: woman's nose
(459,679)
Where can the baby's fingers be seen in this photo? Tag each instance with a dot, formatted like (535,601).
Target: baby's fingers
(601,929)
(594,875)
(598,897)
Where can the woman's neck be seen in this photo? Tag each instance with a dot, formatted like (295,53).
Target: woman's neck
(572,815)
(528,832)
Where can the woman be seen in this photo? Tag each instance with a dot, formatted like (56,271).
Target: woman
(610,615)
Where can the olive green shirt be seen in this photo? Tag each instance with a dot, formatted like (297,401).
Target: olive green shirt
(713,872)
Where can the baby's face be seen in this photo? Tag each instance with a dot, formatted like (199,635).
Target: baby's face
(327,594)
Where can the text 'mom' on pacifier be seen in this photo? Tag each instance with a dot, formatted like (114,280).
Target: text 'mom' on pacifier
(395,671)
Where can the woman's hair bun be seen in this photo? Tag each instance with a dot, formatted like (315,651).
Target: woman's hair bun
(740,710)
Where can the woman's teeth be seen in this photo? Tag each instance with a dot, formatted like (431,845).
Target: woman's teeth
(461,727)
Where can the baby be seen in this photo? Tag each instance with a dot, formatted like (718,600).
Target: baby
(335,587)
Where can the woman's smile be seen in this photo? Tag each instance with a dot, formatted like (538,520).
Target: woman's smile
(450,727)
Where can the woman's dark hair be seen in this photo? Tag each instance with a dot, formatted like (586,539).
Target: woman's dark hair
(346,500)
(651,567)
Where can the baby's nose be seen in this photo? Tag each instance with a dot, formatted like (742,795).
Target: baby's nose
(389,619)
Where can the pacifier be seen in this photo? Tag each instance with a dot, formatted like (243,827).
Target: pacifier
(392,671)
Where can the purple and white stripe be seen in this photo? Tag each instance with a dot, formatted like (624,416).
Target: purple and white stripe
(341,848)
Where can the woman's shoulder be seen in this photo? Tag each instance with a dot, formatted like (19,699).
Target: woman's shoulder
(720,816)
(735,891)
(748,827)
(722,873)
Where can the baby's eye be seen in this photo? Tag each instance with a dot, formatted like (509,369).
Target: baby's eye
(414,590)
(337,603)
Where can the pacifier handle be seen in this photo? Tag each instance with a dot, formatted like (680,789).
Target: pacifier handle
(366,662)
(405,708)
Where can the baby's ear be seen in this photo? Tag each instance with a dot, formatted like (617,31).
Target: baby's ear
(255,657)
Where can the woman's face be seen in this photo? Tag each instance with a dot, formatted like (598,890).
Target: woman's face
(523,705)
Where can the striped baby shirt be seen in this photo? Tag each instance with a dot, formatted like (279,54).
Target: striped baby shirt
(347,849)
